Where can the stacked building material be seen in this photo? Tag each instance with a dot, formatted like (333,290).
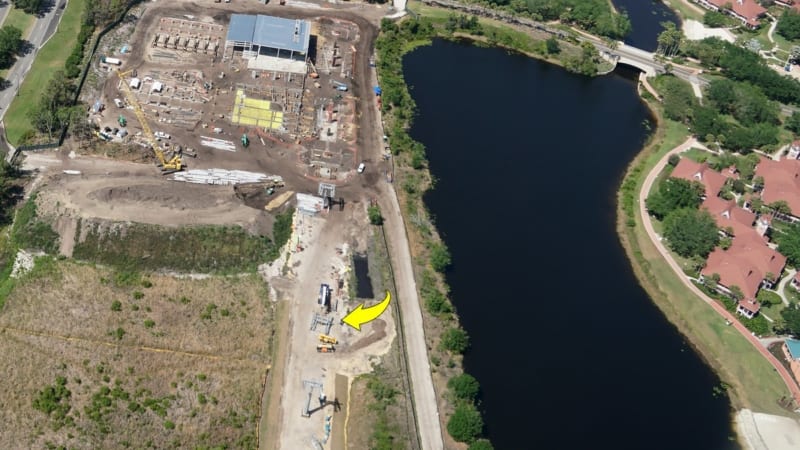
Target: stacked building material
(223,177)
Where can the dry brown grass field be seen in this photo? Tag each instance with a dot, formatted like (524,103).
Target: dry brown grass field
(149,361)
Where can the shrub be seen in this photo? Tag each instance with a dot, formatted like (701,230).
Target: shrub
(454,340)
(481,444)
(465,424)
(464,387)
(149,323)
(440,257)
(436,303)
(374,213)
(116,305)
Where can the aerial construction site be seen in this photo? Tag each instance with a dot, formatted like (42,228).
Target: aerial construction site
(221,115)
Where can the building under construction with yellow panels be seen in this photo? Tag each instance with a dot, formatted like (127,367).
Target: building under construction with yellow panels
(254,112)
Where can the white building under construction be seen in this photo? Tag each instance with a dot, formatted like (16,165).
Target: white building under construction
(269,42)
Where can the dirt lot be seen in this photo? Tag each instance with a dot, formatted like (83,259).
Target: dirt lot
(201,82)
(302,152)
(198,348)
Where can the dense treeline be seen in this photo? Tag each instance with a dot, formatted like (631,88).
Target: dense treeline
(789,25)
(737,115)
(594,16)
(740,64)
(29,6)
(56,108)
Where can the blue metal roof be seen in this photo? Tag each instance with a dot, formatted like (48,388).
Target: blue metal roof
(794,348)
(241,28)
(268,31)
(285,34)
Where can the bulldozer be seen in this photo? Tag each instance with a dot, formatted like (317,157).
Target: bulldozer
(122,121)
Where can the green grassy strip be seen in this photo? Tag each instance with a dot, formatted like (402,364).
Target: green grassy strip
(51,58)
(755,383)
(20,19)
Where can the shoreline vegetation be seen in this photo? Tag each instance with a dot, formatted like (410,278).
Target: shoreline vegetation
(748,380)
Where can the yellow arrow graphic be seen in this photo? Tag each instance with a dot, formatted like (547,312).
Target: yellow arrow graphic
(361,315)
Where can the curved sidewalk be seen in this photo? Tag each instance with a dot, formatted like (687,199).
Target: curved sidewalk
(648,225)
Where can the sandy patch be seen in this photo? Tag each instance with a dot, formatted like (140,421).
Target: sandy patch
(696,31)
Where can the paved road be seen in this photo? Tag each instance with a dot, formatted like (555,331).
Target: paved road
(430,430)
(648,225)
(43,28)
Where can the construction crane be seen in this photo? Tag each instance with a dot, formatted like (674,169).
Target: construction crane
(172,165)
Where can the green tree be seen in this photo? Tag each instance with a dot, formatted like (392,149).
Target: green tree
(10,42)
(481,444)
(690,232)
(789,25)
(454,340)
(678,98)
(436,302)
(669,40)
(440,257)
(715,19)
(374,213)
(792,123)
(552,46)
(29,6)
(789,243)
(736,292)
(464,387)
(791,320)
(672,194)
(465,424)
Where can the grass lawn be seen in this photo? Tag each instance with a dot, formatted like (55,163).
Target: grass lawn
(18,18)
(697,155)
(684,11)
(755,384)
(50,59)
(773,311)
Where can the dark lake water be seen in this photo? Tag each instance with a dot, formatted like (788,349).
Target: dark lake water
(646,18)
(569,350)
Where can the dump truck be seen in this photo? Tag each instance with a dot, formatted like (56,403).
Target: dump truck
(325,339)
(326,348)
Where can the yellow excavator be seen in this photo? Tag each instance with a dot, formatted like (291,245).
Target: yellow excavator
(168,166)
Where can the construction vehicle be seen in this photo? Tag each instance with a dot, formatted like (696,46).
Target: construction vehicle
(326,348)
(244,191)
(245,141)
(325,339)
(174,164)
(122,121)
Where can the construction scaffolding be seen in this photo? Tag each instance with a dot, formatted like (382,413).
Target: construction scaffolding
(270,106)
(326,322)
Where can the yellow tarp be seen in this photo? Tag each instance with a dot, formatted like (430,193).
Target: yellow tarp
(250,111)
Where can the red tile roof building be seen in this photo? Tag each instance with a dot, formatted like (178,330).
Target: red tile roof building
(694,171)
(748,11)
(730,218)
(781,182)
(746,264)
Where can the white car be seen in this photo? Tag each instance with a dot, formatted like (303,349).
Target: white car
(161,135)
(361,167)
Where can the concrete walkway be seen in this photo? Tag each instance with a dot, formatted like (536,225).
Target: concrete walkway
(648,225)
(782,285)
